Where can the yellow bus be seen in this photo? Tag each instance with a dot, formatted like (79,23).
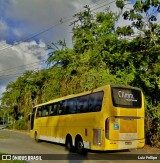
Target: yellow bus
(107,118)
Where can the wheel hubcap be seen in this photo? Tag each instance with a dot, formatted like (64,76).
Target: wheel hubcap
(80,145)
(68,145)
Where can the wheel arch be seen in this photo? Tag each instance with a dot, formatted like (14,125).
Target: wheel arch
(36,136)
(69,137)
(79,144)
(78,136)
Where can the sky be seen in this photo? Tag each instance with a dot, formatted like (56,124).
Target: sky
(28,26)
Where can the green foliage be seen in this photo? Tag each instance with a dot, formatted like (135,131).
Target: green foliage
(51,86)
(120,4)
(125,31)
(144,16)
(152,125)
(21,124)
(9,126)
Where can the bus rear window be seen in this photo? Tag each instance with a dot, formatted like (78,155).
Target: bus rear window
(126,97)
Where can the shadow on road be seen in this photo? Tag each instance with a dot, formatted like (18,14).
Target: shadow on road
(109,151)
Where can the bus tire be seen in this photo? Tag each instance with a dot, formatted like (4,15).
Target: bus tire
(69,145)
(36,137)
(80,145)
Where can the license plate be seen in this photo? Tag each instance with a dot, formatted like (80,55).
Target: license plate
(128,143)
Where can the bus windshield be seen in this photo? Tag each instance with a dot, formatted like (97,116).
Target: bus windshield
(126,97)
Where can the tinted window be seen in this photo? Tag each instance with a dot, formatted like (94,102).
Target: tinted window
(61,107)
(53,109)
(45,110)
(125,97)
(82,104)
(39,112)
(71,106)
(95,101)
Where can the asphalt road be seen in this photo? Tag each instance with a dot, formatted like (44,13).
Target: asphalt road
(13,142)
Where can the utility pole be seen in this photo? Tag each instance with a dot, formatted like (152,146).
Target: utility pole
(3,117)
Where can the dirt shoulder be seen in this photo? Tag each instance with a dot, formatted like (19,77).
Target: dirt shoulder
(145,150)
(149,150)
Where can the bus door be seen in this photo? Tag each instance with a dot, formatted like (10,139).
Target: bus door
(31,118)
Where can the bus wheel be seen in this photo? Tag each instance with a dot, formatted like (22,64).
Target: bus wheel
(80,146)
(69,145)
(36,137)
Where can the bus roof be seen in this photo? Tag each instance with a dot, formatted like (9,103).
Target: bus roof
(83,93)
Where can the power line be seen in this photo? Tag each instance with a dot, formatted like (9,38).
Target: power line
(20,73)
(16,75)
(22,65)
(104,5)
(27,68)
(42,60)
(43,31)
(33,36)
(61,21)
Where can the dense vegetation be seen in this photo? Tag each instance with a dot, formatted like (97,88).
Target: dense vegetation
(102,53)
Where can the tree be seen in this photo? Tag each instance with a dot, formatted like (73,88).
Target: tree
(80,65)
(24,92)
(144,18)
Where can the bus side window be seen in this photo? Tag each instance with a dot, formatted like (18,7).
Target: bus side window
(63,107)
(43,111)
(59,108)
(47,110)
(74,109)
(55,107)
(82,104)
(91,103)
(71,106)
(67,106)
(39,112)
(50,110)
(95,101)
